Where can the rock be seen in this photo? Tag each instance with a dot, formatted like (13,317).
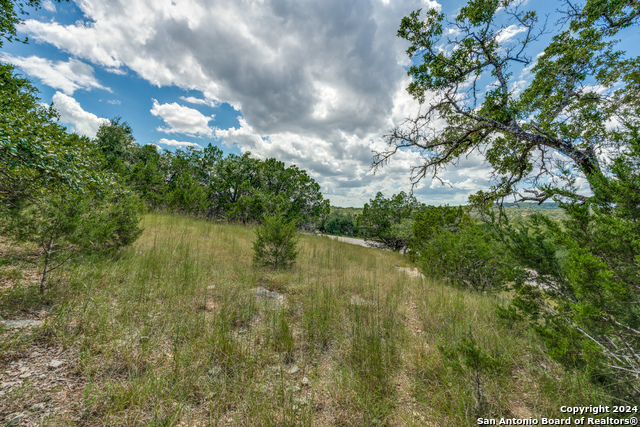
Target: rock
(211,287)
(411,272)
(358,301)
(21,323)
(299,403)
(55,364)
(305,382)
(295,389)
(293,370)
(269,297)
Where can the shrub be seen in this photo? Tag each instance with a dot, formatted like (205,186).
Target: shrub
(448,244)
(275,244)
(71,224)
(388,221)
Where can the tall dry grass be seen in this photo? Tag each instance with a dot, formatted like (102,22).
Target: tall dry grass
(172,332)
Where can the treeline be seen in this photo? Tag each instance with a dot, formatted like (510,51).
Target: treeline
(344,221)
(72,195)
(204,183)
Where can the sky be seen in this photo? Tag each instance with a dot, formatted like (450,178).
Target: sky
(313,83)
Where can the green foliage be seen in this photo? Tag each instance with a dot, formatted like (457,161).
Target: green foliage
(54,190)
(450,245)
(576,281)
(10,11)
(339,224)
(65,225)
(580,84)
(388,221)
(37,156)
(244,189)
(115,140)
(583,296)
(202,182)
(275,244)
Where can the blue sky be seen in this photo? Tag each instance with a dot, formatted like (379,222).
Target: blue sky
(315,83)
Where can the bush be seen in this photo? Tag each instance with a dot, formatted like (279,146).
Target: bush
(388,221)
(275,245)
(339,224)
(471,258)
(69,224)
(448,244)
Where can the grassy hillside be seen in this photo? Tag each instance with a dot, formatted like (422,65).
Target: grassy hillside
(173,332)
(517,211)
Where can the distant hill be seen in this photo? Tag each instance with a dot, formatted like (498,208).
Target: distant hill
(521,210)
(532,205)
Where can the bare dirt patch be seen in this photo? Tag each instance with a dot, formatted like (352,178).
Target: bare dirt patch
(43,383)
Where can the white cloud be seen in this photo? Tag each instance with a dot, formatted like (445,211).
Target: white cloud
(200,101)
(432,4)
(156,146)
(114,101)
(83,122)
(509,32)
(48,5)
(318,84)
(66,76)
(182,119)
(178,144)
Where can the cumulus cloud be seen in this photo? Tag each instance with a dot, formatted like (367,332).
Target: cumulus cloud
(432,4)
(177,144)
(200,101)
(48,5)
(83,122)
(509,32)
(182,119)
(66,76)
(318,84)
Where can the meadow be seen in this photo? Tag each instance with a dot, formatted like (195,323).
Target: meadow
(179,329)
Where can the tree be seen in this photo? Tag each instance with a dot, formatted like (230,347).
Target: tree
(115,139)
(54,189)
(447,243)
(583,296)
(275,244)
(36,153)
(10,17)
(577,117)
(339,223)
(67,224)
(388,221)
(147,177)
(581,101)
(245,189)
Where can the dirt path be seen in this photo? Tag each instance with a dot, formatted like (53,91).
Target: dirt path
(354,241)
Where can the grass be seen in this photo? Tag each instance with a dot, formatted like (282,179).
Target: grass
(172,332)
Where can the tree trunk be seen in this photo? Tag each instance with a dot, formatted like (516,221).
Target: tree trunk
(47,256)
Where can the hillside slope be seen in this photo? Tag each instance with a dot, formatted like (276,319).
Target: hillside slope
(181,330)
